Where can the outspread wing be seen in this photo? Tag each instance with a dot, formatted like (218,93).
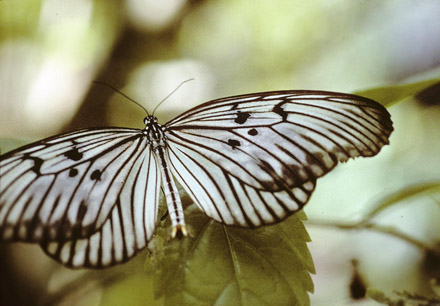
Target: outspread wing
(237,156)
(128,228)
(66,187)
(90,198)
(278,140)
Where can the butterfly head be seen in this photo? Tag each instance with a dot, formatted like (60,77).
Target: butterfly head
(149,120)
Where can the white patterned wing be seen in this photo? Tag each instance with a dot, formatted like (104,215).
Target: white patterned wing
(129,227)
(66,187)
(279,140)
(238,156)
(221,196)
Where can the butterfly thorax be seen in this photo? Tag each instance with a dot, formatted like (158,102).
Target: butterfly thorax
(153,131)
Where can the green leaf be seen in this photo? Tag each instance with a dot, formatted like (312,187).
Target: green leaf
(221,265)
(391,94)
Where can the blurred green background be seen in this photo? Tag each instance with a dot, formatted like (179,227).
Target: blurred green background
(51,51)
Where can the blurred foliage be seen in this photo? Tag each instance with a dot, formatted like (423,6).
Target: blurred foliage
(367,222)
(19,18)
(8,144)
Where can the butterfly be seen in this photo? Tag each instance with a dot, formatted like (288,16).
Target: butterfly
(90,197)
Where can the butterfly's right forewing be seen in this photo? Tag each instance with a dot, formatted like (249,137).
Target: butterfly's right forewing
(65,187)
(127,230)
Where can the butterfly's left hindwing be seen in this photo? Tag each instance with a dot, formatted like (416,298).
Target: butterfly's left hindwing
(226,199)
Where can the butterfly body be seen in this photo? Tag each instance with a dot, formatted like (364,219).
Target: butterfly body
(157,140)
(90,197)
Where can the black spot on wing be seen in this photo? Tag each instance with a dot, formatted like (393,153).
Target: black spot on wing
(37,164)
(73,154)
(234,143)
(252,132)
(96,175)
(234,106)
(73,172)
(280,111)
(241,117)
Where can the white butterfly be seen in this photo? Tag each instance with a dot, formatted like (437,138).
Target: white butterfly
(90,197)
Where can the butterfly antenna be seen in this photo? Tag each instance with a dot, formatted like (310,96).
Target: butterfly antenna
(177,88)
(122,94)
